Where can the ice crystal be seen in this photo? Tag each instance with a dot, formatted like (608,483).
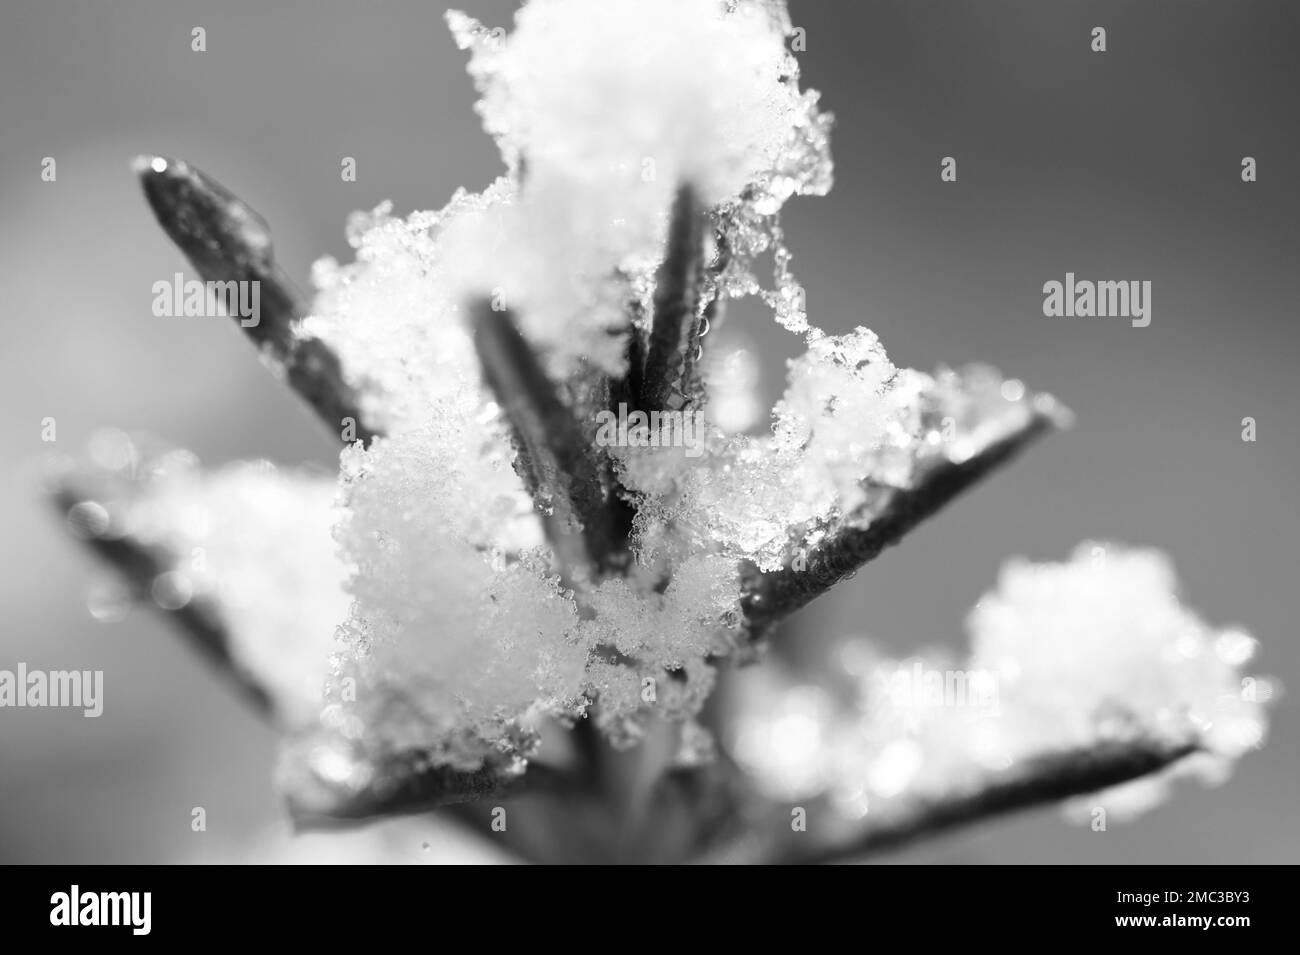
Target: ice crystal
(850,426)
(597,141)
(603,115)
(630,99)
(659,641)
(457,615)
(394,315)
(451,616)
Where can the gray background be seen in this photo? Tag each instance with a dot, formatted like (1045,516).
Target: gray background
(1123,165)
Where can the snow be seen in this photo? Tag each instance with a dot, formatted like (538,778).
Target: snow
(1074,656)
(251,540)
(433,620)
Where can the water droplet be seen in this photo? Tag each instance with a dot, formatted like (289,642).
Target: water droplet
(1235,647)
(335,764)
(109,601)
(88,519)
(172,590)
(1013,389)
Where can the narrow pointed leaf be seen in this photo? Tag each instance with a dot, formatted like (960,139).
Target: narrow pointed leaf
(770,596)
(669,362)
(226,241)
(555,456)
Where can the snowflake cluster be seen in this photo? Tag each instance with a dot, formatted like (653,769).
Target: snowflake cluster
(455,609)
(1065,659)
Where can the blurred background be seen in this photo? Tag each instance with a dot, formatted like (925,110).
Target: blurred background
(1122,165)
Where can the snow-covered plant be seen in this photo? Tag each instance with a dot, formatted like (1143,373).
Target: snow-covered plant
(525,581)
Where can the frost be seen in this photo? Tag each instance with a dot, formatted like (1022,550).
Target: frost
(659,641)
(850,428)
(456,634)
(1121,652)
(563,265)
(459,636)
(267,557)
(394,316)
(633,98)
(1065,658)
(602,113)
